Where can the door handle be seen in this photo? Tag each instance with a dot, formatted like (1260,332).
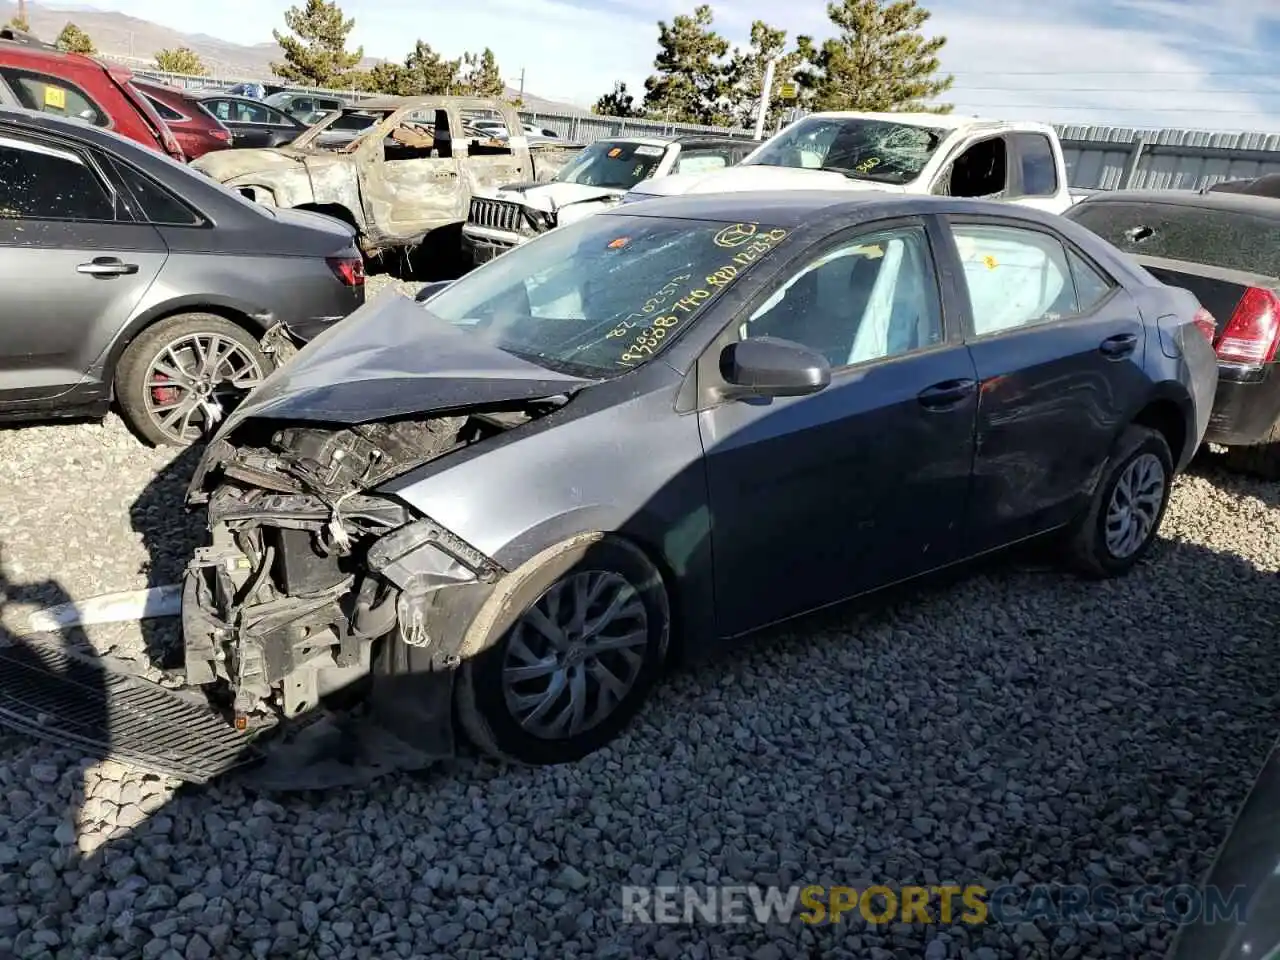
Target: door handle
(107,267)
(947,394)
(1121,345)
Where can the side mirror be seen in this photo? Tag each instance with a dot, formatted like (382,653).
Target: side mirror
(772,367)
(430,290)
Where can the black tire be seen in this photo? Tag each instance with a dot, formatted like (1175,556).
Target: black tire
(132,372)
(1261,460)
(482,707)
(1087,549)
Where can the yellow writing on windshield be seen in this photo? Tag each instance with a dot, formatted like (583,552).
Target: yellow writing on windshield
(649,339)
(651,306)
(735,236)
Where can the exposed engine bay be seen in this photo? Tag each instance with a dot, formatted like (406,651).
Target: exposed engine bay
(308,570)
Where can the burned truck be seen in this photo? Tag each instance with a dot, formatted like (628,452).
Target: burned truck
(398,169)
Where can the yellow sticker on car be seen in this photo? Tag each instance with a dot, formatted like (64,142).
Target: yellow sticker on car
(55,97)
(990,262)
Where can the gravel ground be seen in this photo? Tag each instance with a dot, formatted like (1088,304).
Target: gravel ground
(1017,725)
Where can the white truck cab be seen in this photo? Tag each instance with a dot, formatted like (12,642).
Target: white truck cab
(594,180)
(895,152)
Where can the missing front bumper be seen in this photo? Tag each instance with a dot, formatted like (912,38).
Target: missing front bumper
(280,618)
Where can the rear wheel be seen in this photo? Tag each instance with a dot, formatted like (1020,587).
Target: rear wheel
(177,379)
(1128,505)
(578,662)
(1257,460)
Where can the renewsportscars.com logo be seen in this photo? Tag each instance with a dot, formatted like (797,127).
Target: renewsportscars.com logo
(942,904)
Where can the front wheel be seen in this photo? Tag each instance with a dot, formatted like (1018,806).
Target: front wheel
(179,377)
(576,665)
(1127,507)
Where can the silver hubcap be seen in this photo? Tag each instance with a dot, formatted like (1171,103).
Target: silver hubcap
(1135,505)
(185,378)
(575,654)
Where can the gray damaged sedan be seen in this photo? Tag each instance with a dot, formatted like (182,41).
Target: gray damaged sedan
(685,419)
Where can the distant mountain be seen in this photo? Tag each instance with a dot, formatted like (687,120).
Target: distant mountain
(137,41)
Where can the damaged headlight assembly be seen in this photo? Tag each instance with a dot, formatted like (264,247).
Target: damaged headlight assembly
(537,221)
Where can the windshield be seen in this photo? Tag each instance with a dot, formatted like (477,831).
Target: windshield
(612,163)
(606,294)
(878,150)
(281,100)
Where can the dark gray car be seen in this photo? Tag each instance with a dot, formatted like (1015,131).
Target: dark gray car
(127,276)
(681,420)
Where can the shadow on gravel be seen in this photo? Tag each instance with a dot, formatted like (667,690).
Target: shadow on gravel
(43,676)
(170,534)
(1212,467)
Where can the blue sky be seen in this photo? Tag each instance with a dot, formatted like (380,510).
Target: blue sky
(1207,64)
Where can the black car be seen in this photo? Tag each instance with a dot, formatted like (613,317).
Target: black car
(1224,246)
(127,276)
(676,421)
(251,122)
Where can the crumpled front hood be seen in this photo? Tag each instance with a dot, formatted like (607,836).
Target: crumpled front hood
(752,177)
(227,165)
(549,197)
(392,358)
(224,165)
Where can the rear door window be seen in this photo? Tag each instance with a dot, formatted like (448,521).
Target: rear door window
(39,182)
(1227,239)
(251,113)
(165,113)
(704,159)
(47,94)
(157,204)
(221,109)
(1039,170)
(276,119)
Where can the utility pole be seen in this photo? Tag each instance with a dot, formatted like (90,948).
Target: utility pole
(766,88)
(22,12)
(522,84)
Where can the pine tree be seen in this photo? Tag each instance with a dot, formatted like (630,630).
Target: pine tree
(20,22)
(427,73)
(747,69)
(74,40)
(690,84)
(879,61)
(317,53)
(617,103)
(181,60)
(481,76)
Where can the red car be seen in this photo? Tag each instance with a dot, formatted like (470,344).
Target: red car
(39,76)
(198,131)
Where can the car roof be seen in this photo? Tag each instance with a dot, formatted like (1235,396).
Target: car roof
(17,44)
(794,208)
(1243,203)
(703,140)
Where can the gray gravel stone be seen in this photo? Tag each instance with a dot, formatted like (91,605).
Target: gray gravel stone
(1016,726)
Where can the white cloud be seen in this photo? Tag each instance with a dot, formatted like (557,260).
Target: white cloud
(1144,63)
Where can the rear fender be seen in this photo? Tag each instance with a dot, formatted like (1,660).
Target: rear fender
(252,317)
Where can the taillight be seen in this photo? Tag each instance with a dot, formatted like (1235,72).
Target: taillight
(350,270)
(1206,324)
(220,134)
(1251,333)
